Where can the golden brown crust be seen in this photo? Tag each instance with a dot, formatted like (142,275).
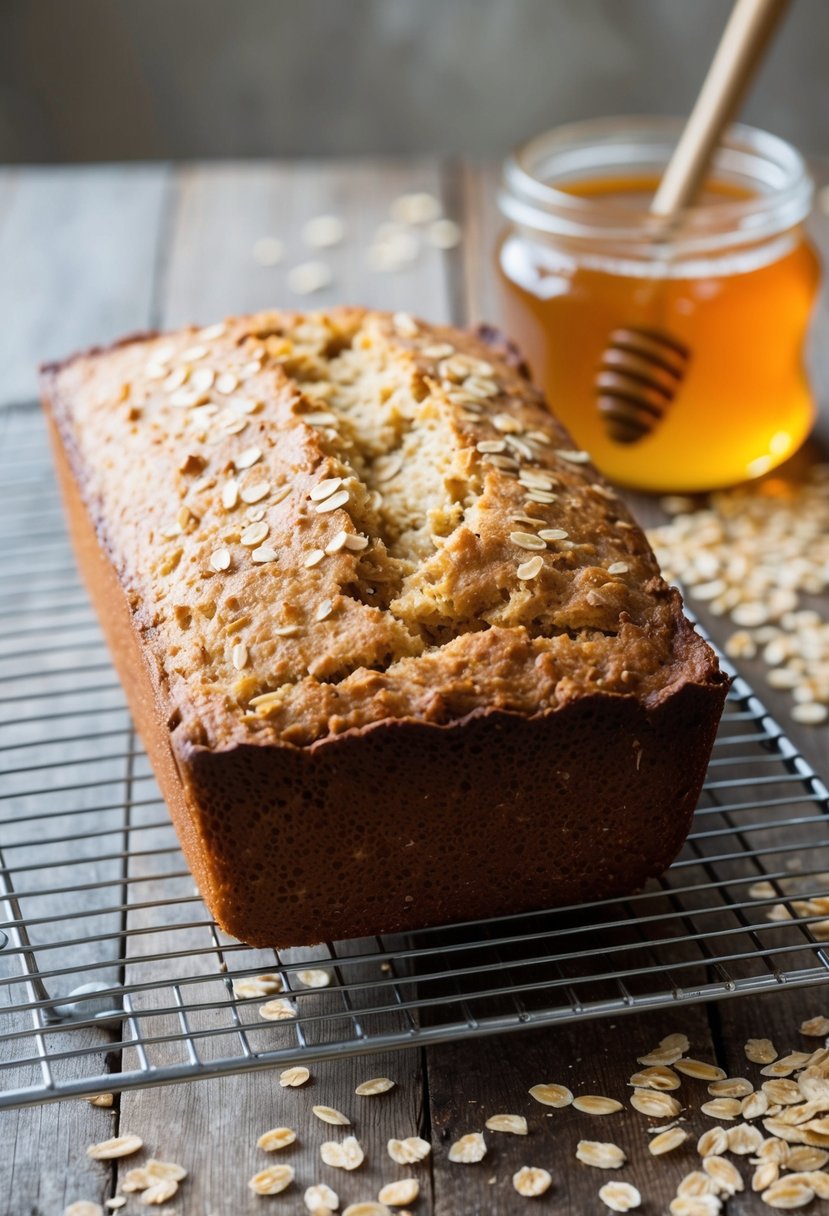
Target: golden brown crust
(294,636)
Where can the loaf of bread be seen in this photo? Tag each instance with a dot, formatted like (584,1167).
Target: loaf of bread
(399,657)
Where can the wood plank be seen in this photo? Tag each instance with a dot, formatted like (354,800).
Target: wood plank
(77,247)
(221,210)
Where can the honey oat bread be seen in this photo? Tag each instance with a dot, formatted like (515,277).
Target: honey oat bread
(398,655)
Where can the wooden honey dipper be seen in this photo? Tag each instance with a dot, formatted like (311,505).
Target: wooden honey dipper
(643,367)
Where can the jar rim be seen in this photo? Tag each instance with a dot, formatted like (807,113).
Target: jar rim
(771,168)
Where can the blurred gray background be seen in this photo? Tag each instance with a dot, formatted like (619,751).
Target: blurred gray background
(88,80)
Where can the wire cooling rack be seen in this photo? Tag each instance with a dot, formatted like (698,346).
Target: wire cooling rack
(112,974)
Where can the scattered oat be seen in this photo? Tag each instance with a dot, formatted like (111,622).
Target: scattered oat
(272,1180)
(713,1143)
(309,277)
(667,1141)
(656,1104)
(104,1100)
(731,1087)
(164,1169)
(323,231)
(655,1078)
(277,1011)
(396,1194)
(408,1151)
(618,568)
(701,1070)
(786,1065)
(415,208)
(443,234)
(810,713)
(721,1108)
(744,1139)
(696,1183)
(347,1155)
(670,1050)
(239,656)
(755,1105)
(159,1192)
(118,1146)
(552,1095)
(760,1051)
(314,977)
(377,1085)
(393,249)
(313,558)
(817,1027)
(620,1196)
(117,1201)
(262,555)
(764,1175)
(276,1138)
(516,1124)
(368,1208)
(591,1104)
(469,1149)
(782,1092)
(788,1193)
(135,1180)
(320,1198)
(724,1173)
(766,545)
(695,1205)
(531,1181)
(268,251)
(294,1077)
(329,1115)
(601,1155)
(257,986)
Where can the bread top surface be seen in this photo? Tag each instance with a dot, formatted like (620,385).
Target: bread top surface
(325,521)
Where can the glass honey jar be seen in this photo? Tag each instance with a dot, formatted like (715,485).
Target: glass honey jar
(733,281)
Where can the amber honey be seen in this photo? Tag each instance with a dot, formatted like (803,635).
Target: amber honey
(735,284)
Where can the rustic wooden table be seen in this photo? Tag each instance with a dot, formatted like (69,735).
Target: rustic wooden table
(88,254)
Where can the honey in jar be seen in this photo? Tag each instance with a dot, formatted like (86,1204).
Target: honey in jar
(733,281)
